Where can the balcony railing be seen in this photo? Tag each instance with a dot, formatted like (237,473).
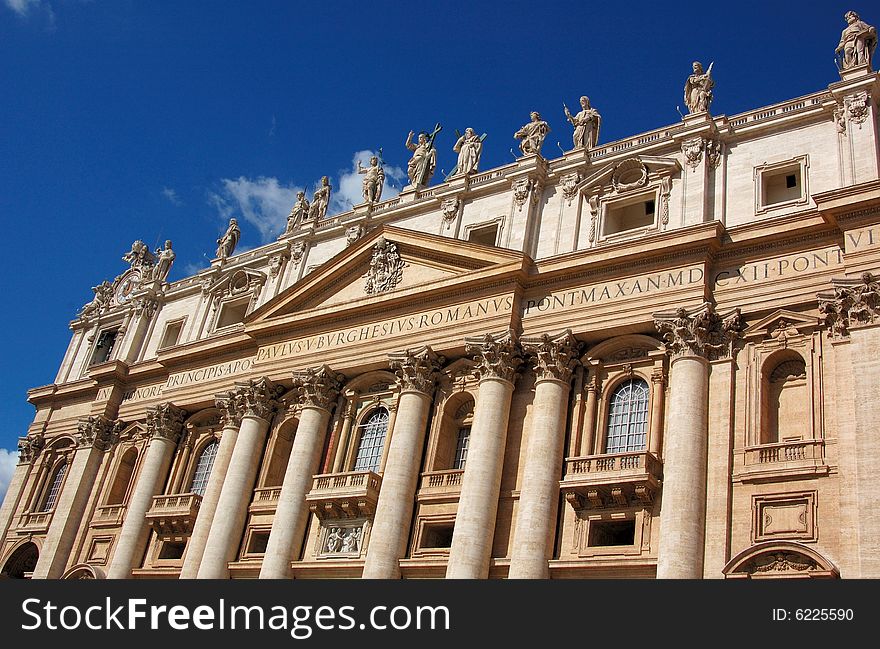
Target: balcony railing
(34,522)
(174,514)
(108,516)
(793,451)
(349,495)
(441,485)
(781,460)
(614,479)
(265,500)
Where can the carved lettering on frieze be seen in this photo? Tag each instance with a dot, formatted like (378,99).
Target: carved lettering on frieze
(553,357)
(417,369)
(701,332)
(317,387)
(852,303)
(496,356)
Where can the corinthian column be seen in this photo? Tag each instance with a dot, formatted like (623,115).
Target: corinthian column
(28,449)
(317,391)
(498,358)
(195,548)
(256,401)
(554,360)
(417,371)
(164,423)
(693,338)
(94,436)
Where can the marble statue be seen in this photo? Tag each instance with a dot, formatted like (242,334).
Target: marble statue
(140,256)
(857,42)
(532,134)
(421,166)
(469,147)
(374,180)
(698,89)
(165,257)
(298,213)
(320,200)
(226,244)
(103,294)
(586,124)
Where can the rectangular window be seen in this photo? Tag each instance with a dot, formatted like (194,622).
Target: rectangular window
(104,346)
(461,447)
(436,536)
(781,184)
(629,215)
(258,543)
(486,236)
(172,550)
(232,313)
(611,533)
(171,335)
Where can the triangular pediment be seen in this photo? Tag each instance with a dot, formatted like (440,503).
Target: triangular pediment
(782,322)
(629,174)
(385,264)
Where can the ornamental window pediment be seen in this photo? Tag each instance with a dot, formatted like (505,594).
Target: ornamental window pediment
(233,295)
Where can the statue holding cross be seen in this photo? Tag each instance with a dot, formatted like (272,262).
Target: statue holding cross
(424,159)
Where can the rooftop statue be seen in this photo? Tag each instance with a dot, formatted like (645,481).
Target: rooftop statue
(165,257)
(320,200)
(424,159)
(469,147)
(226,244)
(374,180)
(139,256)
(698,89)
(857,42)
(298,213)
(103,294)
(532,134)
(586,125)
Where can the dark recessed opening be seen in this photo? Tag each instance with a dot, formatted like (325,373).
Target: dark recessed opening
(172,550)
(604,533)
(485,236)
(790,181)
(259,543)
(437,536)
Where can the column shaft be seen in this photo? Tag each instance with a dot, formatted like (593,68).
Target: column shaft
(134,533)
(399,481)
(235,496)
(683,511)
(13,498)
(539,495)
(474,530)
(588,439)
(292,513)
(195,548)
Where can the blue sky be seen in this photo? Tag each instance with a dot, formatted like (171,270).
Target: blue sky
(125,119)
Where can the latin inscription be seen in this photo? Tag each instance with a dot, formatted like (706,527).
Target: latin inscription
(778,268)
(862,238)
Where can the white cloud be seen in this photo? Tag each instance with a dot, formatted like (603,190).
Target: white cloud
(8,460)
(264,203)
(23,7)
(172,196)
(348,189)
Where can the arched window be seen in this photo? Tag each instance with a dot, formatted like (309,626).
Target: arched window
(372,439)
(203,468)
(55,487)
(461,447)
(786,406)
(627,417)
(123,478)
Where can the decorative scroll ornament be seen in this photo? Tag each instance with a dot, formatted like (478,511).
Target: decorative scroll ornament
(449,209)
(256,398)
(165,420)
(665,191)
(701,332)
(276,262)
(693,152)
(714,151)
(98,431)
(554,357)
(521,190)
(594,216)
(782,562)
(354,233)
(569,186)
(29,447)
(857,108)
(629,174)
(386,268)
(417,369)
(297,252)
(853,302)
(839,116)
(497,356)
(317,387)
(146,306)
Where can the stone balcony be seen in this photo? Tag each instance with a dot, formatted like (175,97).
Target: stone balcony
(108,516)
(612,480)
(174,514)
(265,500)
(344,495)
(34,522)
(440,486)
(781,460)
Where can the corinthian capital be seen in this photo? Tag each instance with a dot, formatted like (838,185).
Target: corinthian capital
(554,357)
(700,332)
(227,404)
(256,398)
(497,356)
(29,447)
(165,420)
(98,431)
(417,369)
(853,302)
(317,387)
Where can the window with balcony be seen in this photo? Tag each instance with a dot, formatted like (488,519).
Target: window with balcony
(371,440)
(122,480)
(627,417)
(203,468)
(54,487)
(787,403)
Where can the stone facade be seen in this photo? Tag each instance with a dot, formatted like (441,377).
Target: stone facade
(657,357)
